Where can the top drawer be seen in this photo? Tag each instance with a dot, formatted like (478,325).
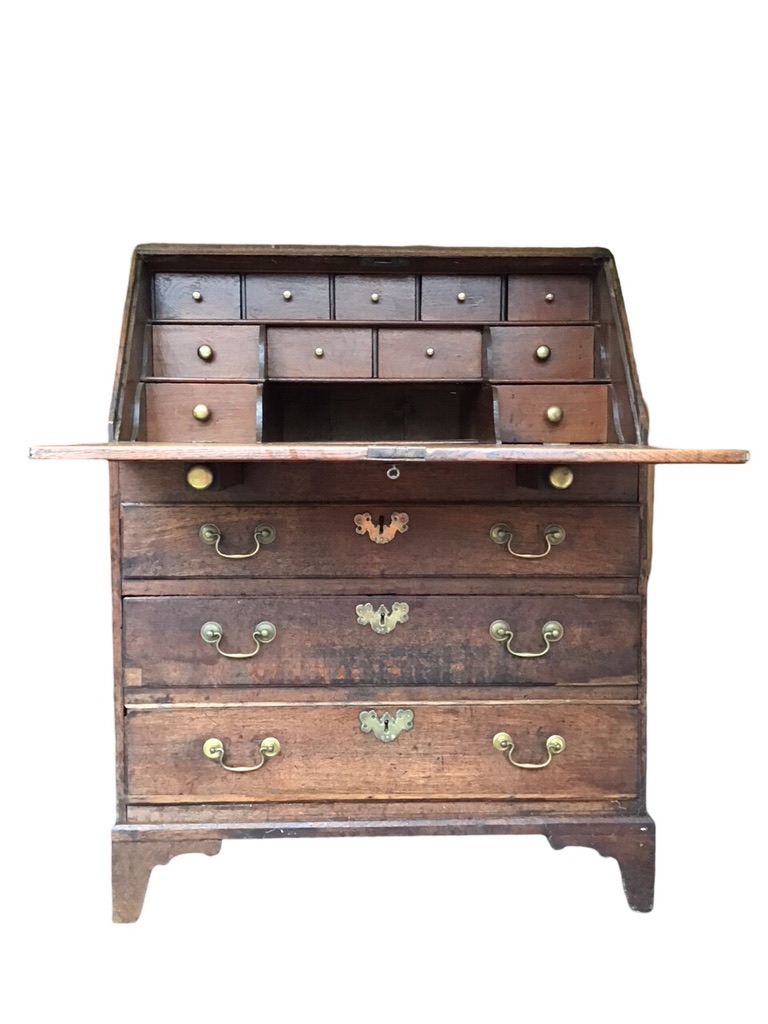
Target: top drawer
(366,297)
(197,297)
(548,298)
(287,297)
(468,298)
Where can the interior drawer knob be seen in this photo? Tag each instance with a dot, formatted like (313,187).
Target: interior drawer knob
(205,352)
(554,414)
(429,353)
(375,297)
(543,352)
(287,295)
(551,632)
(503,742)
(549,297)
(264,533)
(269,747)
(561,477)
(461,297)
(379,531)
(553,535)
(197,296)
(201,413)
(213,633)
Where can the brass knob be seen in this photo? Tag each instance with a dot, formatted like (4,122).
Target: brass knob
(429,353)
(549,297)
(287,296)
(197,296)
(561,477)
(319,352)
(200,478)
(543,352)
(554,414)
(375,297)
(205,352)
(201,412)
(461,297)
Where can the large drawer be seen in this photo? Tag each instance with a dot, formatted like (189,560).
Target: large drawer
(322,641)
(448,753)
(376,540)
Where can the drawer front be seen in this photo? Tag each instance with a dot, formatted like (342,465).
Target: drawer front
(319,353)
(547,298)
(460,298)
(447,753)
(367,297)
(196,350)
(319,641)
(287,296)
(379,540)
(202,412)
(197,297)
(556,413)
(541,353)
(430,354)
(368,482)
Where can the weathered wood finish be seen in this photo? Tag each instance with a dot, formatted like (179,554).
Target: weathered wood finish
(325,755)
(319,642)
(459,441)
(323,541)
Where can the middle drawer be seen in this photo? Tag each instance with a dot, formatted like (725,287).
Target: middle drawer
(376,540)
(381,640)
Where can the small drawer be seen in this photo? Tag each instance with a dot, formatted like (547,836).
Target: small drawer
(364,297)
(549,298)
(382,638)
(556,413)
(430,354)
(202,412)
(355,751)
(460,298)
(541,353)
(287,297)
(195,350)
(317,353)
(197,297)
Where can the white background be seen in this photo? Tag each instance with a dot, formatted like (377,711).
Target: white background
(631,126)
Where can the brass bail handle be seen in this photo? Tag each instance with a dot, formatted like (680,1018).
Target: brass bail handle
(553,535)
(503,741)
(214,749)
(551,632)
(213,633)
(381,532)
(209,533)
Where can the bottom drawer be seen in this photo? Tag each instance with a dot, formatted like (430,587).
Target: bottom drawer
(433,752)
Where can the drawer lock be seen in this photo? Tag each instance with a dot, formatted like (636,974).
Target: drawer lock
(379,619)
(388,727)
(379,531)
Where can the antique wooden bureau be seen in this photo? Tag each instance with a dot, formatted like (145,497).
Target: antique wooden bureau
(381,537)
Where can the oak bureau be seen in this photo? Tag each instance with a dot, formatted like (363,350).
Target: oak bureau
(381,538)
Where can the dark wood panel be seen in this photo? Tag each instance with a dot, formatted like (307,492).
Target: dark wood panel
(552,353)
(549,297)
(424,540)
(206,351)
(287,296)
(522,413)
(430,354)
(319,353)
(319,642)
(176,296)
(233,412)
(325,755)
(461,297)
(372,297)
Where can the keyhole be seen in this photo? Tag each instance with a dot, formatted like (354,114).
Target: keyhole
(381,524)
(381,617)
(385,723)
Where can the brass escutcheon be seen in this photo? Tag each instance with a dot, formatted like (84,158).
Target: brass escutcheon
(503,741)
(214,749)
(380,532)
(213,633)
(379,619)
(553,535)
(551,632)
(388,727)
(264,533)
